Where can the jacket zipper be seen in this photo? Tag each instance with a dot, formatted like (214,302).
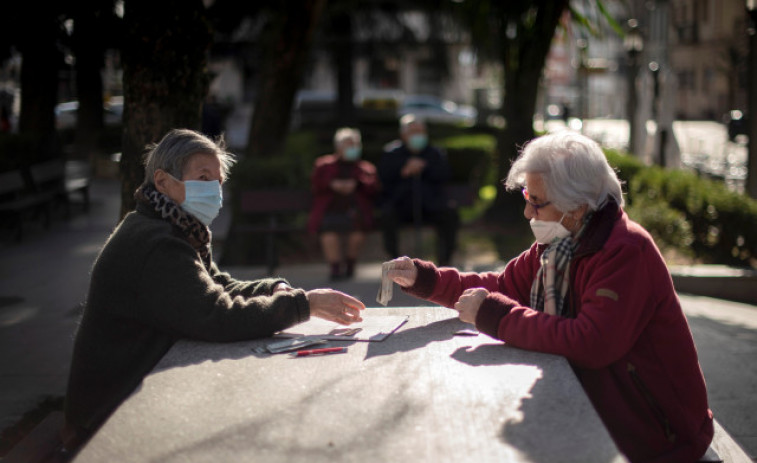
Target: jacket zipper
(671,436)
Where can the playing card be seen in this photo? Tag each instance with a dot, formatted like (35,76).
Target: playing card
(386,286)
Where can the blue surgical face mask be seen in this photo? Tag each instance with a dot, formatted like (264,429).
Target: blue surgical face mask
(352,153)
(203,199)
(418,141)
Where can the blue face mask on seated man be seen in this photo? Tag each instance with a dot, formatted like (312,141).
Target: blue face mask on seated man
(352,153)
(203,199)
(418,141)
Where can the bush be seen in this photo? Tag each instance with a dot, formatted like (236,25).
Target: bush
(471,158)
(669,226)
(626,166)
(693,214)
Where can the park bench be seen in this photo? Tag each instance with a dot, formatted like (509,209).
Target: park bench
(272,206)
(18,201)
(36,190)
(49,178)
(277,207)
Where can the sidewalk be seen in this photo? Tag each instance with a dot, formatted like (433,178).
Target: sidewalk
(44,279)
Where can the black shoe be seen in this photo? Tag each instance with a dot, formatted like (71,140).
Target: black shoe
(336,273)
(349,268)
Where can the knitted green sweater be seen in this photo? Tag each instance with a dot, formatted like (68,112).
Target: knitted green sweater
(148,289)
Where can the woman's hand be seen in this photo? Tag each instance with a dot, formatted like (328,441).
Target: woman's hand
(402,271)
(469,303)
(334,306)
(344,186)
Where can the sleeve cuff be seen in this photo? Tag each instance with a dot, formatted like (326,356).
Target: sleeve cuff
(303,306)
(491,312)
(425,281)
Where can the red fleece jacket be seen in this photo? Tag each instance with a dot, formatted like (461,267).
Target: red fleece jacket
(629,342)
(326,169)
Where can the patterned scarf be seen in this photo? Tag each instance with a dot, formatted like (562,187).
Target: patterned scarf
(550,286)
(194,231)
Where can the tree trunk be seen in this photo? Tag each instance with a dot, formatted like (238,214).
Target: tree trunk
(39,81)
(290,36)
(342,29)
(523,57)
(165,79)
(89,50)
(750,187)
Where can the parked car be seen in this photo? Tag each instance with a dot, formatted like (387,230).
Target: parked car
(65,113)
(314,107)
(437,110)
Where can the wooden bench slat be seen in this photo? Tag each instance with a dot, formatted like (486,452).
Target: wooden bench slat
(276,202)
(17,199)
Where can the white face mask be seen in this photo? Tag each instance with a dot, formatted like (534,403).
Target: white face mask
(547,232)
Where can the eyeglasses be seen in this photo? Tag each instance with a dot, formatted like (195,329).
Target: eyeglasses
(533,204)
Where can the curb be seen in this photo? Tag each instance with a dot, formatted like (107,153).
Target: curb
(717,281)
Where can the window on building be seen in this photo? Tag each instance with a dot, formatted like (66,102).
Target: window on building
(708,79)
(686,80)
(703,10)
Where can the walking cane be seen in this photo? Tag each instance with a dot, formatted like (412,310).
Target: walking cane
(417,213)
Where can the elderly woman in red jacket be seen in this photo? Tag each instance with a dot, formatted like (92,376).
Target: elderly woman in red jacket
(595,289)
(344,187)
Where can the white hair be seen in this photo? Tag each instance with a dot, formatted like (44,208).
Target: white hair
(574,169)
(409,120)
(344,134)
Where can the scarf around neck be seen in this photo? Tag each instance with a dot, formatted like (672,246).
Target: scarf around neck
(195,232)
(550,286)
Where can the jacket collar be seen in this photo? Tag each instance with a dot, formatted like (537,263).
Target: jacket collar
(599,228)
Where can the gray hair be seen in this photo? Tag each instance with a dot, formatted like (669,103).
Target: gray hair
(173,152)
(574,169)
(344,134)
(410,119)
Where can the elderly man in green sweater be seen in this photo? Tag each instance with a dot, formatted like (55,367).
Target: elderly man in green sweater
(155,282)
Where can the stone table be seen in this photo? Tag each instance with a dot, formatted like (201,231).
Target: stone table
(421,395)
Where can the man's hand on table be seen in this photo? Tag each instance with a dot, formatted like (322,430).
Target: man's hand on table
(334,306)
(469,303)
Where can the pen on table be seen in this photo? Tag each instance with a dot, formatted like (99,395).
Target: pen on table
(324,350)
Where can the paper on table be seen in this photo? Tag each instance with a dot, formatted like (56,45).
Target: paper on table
(372,328)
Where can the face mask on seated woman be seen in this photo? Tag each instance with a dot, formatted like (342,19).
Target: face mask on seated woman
(546,232)
(202,199)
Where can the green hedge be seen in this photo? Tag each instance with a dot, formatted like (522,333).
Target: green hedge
(695,215)
(470,158)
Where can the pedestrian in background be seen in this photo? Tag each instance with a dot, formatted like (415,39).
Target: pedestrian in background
(344,190)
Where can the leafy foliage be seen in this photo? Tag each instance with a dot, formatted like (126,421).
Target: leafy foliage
(692,214)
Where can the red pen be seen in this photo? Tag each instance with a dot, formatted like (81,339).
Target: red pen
(321,351)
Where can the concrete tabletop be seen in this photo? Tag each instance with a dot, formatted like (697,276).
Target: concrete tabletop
(421,395)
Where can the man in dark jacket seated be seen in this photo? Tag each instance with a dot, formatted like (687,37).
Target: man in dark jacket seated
(413,175)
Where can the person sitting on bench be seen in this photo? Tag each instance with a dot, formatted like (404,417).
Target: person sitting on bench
(413,174)
(344,188)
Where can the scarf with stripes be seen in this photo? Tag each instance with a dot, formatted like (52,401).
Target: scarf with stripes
(550,286)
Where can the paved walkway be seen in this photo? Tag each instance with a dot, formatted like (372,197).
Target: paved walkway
(44,279)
